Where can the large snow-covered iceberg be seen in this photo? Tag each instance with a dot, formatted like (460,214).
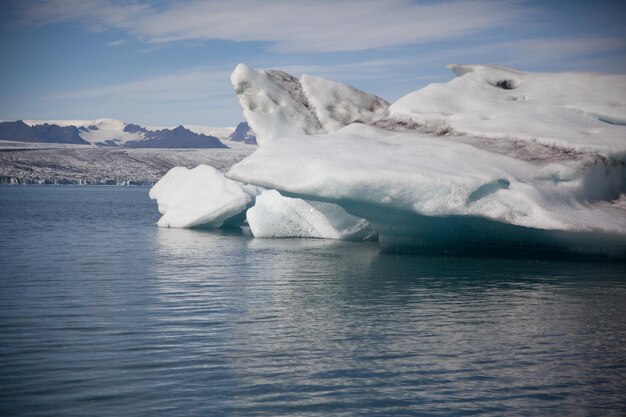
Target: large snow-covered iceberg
(423,190)
(495,158)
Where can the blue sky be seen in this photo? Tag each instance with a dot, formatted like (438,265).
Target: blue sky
(165,63)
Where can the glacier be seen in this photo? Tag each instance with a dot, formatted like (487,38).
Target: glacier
(496,160)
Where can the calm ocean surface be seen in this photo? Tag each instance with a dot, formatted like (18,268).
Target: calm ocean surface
(104,314)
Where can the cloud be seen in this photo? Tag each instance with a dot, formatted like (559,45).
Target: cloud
(195,84)
(116,43)
(562,48)
(97,15)
(200,95)
(532,52)
(208,83)
(288,26)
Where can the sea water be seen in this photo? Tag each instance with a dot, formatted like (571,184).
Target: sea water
(104,314)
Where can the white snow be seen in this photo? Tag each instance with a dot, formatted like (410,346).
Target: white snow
(581,111)
(107,129)
(276,104)
(62,123)
(396,180)
(337,105)
(218,132)
(273,103)
(437,176)
(276,216)
(198,197)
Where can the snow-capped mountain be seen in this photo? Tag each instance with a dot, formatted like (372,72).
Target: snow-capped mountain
(115,133)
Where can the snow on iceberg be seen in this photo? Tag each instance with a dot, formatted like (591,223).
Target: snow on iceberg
(581,111)
(276,216)
(273,103)
(276,104)
(417,189)
(337,105)
(198,197)
(519,160)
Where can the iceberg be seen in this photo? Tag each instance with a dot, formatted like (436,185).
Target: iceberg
(276,216)
(199,197)
(578,111)
(416,189)
(496,159)
(336,105)
(276,104)
(273,103)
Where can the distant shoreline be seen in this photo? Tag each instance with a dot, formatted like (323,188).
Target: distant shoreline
(80,165)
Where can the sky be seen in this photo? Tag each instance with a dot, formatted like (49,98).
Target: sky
(165,63)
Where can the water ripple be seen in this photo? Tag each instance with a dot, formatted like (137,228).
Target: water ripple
(103,314)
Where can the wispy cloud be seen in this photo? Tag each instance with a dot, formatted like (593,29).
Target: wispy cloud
(116,43)
(205,95)
(200,95)
(207,83)
(533,52)
(189,85)
(287,25)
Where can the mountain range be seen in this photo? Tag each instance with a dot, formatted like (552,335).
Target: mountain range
(116,133)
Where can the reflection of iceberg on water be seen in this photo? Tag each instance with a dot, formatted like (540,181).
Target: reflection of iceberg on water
(496,159)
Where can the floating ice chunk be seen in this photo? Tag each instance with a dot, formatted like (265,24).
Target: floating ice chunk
(581,111)
(337,105)
(198,197)
(276,216)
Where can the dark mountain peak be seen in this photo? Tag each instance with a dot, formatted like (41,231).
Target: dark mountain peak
(244,134)
(133,128)
(17,131)
(46,133)
(58,134)
(179,137)
(180,129)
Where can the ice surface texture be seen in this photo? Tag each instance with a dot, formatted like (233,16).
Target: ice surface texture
(276,216)
(494,158)
(276,104)
(580,111)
